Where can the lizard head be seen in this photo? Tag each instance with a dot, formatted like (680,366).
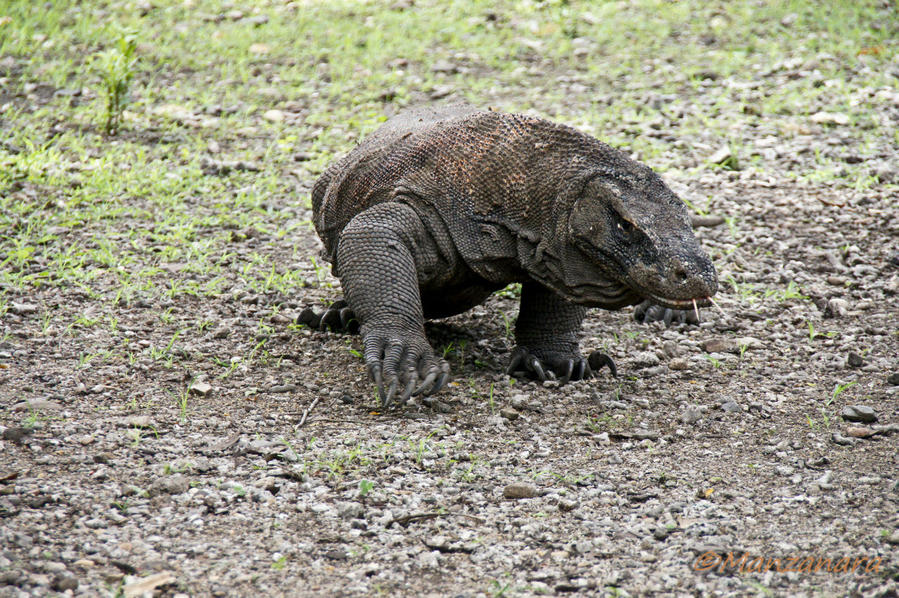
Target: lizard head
(635,241)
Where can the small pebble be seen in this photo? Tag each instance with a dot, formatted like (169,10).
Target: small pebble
(841,440)
(720,345)
(859,413)
(37,405)
(282,388)
(731,407)
(275,116)
(137,421)
(855,360)
(691,414)
(201,388)
(63,582)
(174,484)
(660,533)
(16,433)
(859,432)
(836,308)
(670,349)
(645,359)
(23,309)
(509,414)
(10,578)
(520,490)
(678,364)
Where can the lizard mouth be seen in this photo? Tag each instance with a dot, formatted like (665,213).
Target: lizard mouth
(676,303)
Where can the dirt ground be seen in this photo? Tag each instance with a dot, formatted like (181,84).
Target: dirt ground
(231,452)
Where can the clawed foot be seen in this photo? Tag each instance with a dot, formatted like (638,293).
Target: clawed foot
(557,366)
(402,364)
(598,360)
(338,317)
(648,311)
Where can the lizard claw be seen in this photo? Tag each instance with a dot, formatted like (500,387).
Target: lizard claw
(338,317)
(348,320)
(597,360)
(535,366)
(435,378)
(569,369)
(549,366)
(522,357)
(402,367)
(387,399)
(648,311)
(329,320)
(309,318)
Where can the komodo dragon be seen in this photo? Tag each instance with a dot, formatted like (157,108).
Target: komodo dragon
(441,207)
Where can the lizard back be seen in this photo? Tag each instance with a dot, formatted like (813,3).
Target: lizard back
(473,169)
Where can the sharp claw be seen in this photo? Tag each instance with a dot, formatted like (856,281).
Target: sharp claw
(427,382)
(441,381)
(569,368)
(306,316)
(588,371)
(579,371)
(374,372)
(391,392)
(346,316)
(410,386)
(597,360)
(337,317)
(330,319)
(640,311)
(438,386)
(537,368)
(516,360)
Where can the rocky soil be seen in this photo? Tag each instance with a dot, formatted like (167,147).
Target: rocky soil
(771,430)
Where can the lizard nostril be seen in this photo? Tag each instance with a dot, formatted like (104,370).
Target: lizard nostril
(680,275)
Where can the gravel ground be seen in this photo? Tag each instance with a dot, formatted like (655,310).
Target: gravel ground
(731,458)
(731,437)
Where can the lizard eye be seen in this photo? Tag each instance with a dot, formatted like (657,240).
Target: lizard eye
(625,227)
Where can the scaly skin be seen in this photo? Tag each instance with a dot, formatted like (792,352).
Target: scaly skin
(441,207)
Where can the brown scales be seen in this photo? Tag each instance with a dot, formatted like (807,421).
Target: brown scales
(442,206)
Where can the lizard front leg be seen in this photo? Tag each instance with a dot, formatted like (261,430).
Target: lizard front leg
(377,256)
(546,337)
